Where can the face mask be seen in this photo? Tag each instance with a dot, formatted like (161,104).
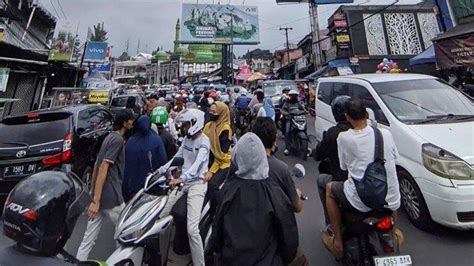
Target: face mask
(213,117)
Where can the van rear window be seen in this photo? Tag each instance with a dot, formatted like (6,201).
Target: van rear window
(34,128)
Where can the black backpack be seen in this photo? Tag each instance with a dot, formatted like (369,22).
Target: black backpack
(372,189)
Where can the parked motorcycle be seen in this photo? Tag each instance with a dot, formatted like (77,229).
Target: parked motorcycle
(141,226)
(298,134)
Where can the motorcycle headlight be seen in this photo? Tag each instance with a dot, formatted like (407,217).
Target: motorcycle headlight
(445,164)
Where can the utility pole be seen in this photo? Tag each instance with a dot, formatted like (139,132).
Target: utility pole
(313,12)
(287,42)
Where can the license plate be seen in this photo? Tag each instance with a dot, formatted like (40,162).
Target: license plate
(393,260)
(19,170)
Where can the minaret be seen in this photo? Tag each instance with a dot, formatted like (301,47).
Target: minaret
(177,36)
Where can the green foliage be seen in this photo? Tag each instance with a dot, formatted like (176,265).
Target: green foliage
(99,34)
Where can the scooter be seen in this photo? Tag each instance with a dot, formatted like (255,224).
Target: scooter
(141,225)
(298,134)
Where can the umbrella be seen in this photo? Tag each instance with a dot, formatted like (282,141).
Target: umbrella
(256,76)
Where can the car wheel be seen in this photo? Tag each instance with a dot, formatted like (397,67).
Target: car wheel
(413,202)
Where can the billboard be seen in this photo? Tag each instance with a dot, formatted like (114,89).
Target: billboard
(202,23)
(95,52)
(63,40)
(101,68)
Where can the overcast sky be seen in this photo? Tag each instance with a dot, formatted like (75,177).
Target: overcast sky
(153,21)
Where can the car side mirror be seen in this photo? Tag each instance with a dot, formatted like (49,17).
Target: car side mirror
(373,121)
(298,171)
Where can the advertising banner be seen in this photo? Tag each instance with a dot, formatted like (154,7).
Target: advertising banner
(63,40)
(99,96)
(343,41)
(202,23)
(101,68)
(2,33)
(455,52)
(4,73)
(95,52)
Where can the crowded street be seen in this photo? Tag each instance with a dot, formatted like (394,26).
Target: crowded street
(254,132)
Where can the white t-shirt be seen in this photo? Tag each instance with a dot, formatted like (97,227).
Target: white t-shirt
(356,152)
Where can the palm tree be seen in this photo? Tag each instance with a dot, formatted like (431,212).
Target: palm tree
(99,35)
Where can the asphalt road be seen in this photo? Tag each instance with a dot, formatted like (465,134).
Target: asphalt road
(442,247)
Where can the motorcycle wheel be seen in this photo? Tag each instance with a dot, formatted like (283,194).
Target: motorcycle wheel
(304,148)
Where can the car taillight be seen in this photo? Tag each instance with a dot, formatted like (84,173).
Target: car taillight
(30,215)
(385,224)
(65,155)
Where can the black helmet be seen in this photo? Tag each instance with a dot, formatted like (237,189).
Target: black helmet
(41,211)
(338,107)
(286,89)
(236,89)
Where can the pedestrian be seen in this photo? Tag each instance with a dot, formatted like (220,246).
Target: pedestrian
(267,110)
(151,103)
(106,184)
(219,132)
(160,118)
(255,223)
(356,151)
(195,152)
(144,153)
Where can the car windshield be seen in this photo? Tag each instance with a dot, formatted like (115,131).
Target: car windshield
(33,130)
(426,100)
(120,101)
(276,88)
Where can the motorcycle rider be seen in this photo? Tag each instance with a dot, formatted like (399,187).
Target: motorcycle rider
(241,106)
(50,203)
(195,152)
(356,151)
(326,151)
(291,104)
(257,101)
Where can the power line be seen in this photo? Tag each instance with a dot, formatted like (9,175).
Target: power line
(61,8)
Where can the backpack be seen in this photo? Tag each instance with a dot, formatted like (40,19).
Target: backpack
(372,188)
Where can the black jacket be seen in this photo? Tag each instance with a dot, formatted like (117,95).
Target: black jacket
(255,224)
(326,151)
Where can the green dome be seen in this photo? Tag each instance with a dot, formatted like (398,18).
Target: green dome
(204,53)
(182,51)
(161,56)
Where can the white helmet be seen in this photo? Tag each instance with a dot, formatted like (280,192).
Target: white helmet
(193,116)
(293,92)
(211,86)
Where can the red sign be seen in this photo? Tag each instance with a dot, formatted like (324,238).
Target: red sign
(340,23)
(455,52)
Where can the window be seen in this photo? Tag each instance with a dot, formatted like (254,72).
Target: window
(362,93)
(92,119)
(341,89)
(325,92)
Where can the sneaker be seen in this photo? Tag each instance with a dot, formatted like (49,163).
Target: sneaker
(286,152)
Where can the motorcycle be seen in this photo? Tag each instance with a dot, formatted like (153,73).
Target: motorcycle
(298,134)
(243,121)
(143,235)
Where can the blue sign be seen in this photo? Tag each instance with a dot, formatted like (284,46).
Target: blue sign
(95,52)
(328,2)
(101,68)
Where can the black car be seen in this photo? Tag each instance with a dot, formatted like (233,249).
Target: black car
(68,138)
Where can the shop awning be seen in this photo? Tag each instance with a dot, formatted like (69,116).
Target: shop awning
(455,48)
(337,63)
(426,57)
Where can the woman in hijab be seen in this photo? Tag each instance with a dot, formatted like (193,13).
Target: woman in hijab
(144,153)
(219,132)
(267,110)
(255,223)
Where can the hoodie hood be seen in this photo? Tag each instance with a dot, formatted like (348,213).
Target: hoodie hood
(250,158)
(142,125)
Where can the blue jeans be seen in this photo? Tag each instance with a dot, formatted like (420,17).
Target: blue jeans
(322,181)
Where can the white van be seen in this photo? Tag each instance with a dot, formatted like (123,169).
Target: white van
(433,127)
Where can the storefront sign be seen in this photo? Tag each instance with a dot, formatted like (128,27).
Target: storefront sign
(2,33)
(340,23)
(343,41)
(95,52)
(4,73)
(455,52)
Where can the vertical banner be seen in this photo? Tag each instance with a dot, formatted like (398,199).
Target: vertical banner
(2,33)
(95,52)
(63,41)
(4,73)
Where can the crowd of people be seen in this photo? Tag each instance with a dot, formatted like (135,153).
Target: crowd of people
(252,193)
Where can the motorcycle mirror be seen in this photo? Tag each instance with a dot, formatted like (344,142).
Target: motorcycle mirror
(177,161)
(299,171)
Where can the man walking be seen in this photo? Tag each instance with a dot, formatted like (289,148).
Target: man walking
(106,184)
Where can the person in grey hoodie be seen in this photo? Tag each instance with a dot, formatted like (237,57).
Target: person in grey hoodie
(255,223)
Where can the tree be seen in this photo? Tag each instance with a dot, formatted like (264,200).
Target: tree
(99,34)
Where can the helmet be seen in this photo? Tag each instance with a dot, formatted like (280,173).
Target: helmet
(159,115)
(258,90)
(41,211)
(293,92)
(212,86)
(236,89)
(338,107)
(195,117)
(286,89)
